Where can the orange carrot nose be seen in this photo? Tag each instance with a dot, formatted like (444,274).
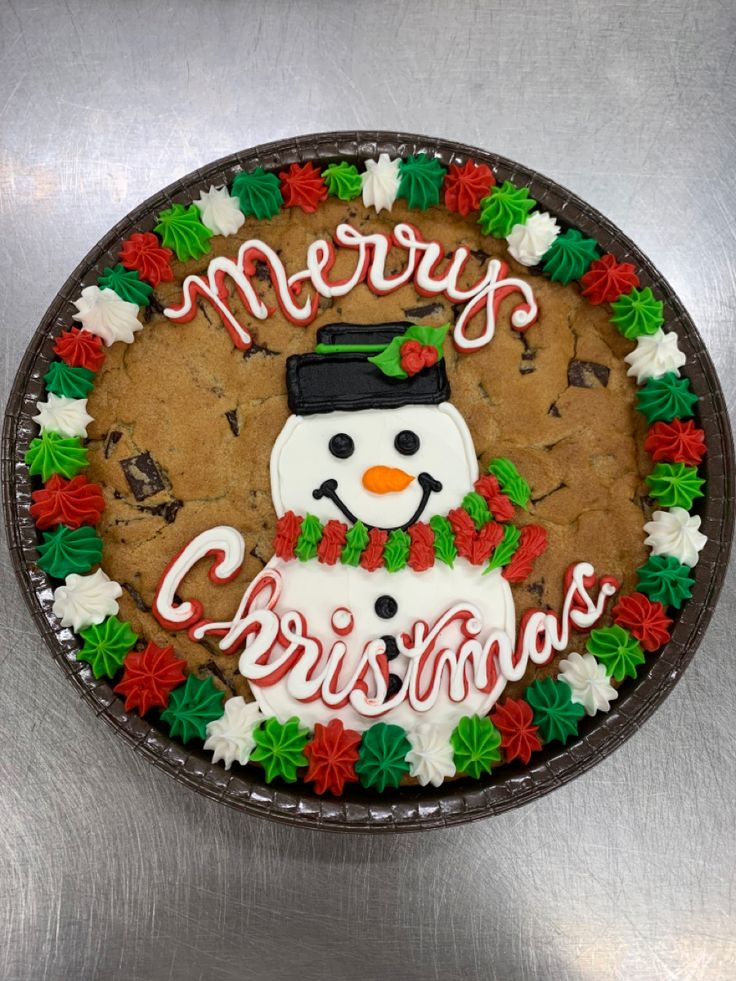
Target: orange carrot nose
(386,480)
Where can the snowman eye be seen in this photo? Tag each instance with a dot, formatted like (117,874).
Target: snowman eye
(407,442)
(342,446)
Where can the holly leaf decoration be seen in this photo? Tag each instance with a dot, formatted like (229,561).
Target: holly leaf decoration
(309,538)
(396,552)
(511,482)
(477,508)
(191,707)
(389,360)
(444,539)
(356,540)
(504,551)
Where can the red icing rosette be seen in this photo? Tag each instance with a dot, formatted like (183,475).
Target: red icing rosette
(500,506)
(421,550)
(332,755)
(515,721)
(80,349)
(607,279)
(288,527)
(372,557)
(676,442)
(73,503)
(465,186)
(647,620)
(151,260)
(332,541)
(532,544)
(149,677)
(463,529)
(302,187)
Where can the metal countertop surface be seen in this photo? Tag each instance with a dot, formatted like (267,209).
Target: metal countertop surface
(108,868)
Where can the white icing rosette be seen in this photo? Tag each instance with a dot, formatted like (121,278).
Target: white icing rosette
(230,738)
(220,211)
(104,313)
(675,532)
(529,242)
(86,600)
(655,355)
(589,684)
(380,183)
(67,417)
(431,757)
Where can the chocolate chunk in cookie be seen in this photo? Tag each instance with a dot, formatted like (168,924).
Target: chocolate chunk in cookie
(587,374)
(143,476)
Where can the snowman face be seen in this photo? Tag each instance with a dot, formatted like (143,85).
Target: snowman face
(385,467)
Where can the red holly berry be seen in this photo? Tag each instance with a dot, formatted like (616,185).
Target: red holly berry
(80,349)
(465,186)
(607,279)
(149,677)
(332,755)
(73,503)
(515,721)
(647,620)
(302,186)
(414,356)
(151,260)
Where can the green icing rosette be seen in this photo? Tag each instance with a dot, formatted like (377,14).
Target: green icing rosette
(309,538)
(637,313)
(477,507)
(444,539)
(675,485)
(666,398)
(72,383)
(105,646)
(65,550)
(181,229)
(421,179)
(665,580)
(342,180)
(504,207)
(396,550)
(356,540)
(617,650)
(476,743)
(382,753)
(51,453)
(259,193)
(127,284)
(554,711)
(569,256)
(191,707)
(280,748)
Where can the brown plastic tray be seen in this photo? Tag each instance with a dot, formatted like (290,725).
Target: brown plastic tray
(409,808)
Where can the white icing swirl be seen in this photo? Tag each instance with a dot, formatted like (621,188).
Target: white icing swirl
(67,417)
(104,313)
(675,532)
(86,600)
(231,736)
(529,242)
(655,355)
(380,183)
(220,212)
(431,756)
(589,684)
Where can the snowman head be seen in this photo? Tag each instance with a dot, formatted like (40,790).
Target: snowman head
(365,445)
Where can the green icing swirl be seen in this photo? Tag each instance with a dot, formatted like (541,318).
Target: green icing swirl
(504,551)
(444,539)
(191,706)
(617,650)
(510,481)
(665,580)
(476,743)
(181,229)
(343,180)
(675,485)
(477,508)
(382,753)
(51,453)
(127,284)
(421,180)
(309,538)
(259,193)
(637,313)
(554,711)
(569,256)
(356,540)
(666,398)
(280,748)
(65,550)
(396,550)
(106,645)
(504,207)
(72,383)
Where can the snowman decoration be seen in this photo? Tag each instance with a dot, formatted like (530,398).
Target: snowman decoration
(373,444)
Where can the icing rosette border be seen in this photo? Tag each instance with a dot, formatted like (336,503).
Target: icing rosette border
(568,256)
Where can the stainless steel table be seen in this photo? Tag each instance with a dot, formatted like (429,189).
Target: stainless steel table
(108,869)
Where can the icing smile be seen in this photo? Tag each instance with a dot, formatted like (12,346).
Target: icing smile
(328,489)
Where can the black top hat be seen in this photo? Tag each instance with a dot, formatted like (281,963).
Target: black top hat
(340,374)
